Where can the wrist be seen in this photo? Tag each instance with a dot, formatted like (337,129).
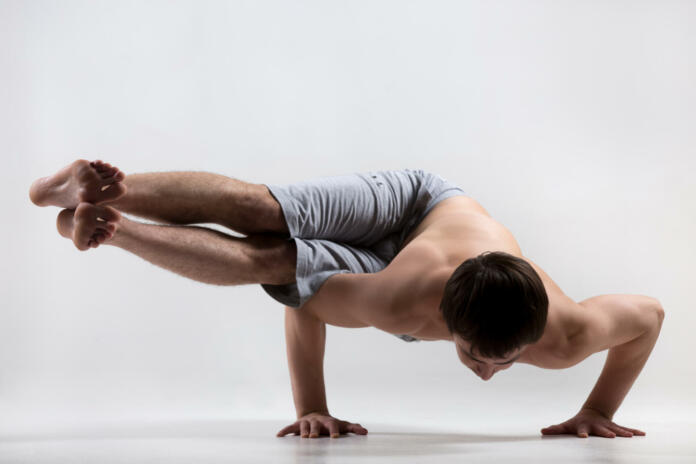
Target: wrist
(596,410)
(303,413)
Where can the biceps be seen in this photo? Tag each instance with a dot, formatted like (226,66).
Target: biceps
(617,319)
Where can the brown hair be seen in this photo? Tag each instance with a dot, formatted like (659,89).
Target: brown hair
(496,302)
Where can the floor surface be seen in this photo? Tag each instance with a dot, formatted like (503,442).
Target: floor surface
(255,441)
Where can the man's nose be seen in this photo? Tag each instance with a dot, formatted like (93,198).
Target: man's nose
(486,373)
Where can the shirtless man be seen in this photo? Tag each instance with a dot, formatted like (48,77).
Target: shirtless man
(406,284)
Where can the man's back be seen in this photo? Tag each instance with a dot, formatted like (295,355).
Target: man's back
(409,290)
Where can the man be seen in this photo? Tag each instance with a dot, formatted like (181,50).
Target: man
(404,251)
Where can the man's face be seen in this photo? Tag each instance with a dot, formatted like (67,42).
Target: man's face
(482,366)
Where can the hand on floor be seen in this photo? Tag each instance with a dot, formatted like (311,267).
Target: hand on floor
(590,422)
(314,424)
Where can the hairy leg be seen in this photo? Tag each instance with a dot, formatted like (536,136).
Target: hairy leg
(195,252)
(202,197)
(169,197)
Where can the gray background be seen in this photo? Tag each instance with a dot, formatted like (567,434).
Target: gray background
(571,122)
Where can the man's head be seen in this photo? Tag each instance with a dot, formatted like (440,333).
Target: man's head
(494,305)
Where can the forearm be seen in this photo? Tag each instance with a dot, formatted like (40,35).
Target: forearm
(305,338)
(623,365)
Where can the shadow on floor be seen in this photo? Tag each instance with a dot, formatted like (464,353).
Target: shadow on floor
(379,442)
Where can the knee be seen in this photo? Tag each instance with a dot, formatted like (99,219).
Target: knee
(262,213)
(275,258)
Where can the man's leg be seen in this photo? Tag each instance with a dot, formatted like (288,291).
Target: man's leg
(170,197)
(202,197)
(198,253)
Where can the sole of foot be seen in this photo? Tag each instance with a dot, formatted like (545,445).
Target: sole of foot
(81,181)
(88,225)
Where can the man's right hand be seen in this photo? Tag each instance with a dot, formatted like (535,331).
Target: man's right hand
(314,424)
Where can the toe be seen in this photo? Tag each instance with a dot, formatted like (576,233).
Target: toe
(108,227)
(110,214)
(100,166)
(111,192)
(108,173)
(105,232)
(115,176)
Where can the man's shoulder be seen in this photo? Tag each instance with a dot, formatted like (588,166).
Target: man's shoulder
(419,271)
(558,347)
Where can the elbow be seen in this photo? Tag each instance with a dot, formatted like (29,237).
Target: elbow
(660,314)
(659,309)
(655,305)
(653,314)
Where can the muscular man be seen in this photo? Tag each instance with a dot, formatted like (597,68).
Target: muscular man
(404,251)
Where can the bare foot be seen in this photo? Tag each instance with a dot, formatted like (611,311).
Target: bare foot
(88,226)
(81,181)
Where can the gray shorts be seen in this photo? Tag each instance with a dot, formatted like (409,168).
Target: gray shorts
(352,223)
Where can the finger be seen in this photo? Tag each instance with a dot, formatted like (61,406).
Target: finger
(315,429)
(602,431)
(634,431)
(357,428)
(553,430)
(285,430)
(334,429)
(583,431)
(620,430)
(304,429)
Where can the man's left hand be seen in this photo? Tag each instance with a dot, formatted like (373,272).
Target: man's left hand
(590,422)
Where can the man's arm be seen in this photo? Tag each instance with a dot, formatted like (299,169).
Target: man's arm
(383,299)
(627,325)
(305,338)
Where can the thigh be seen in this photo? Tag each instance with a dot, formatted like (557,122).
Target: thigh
(358,209)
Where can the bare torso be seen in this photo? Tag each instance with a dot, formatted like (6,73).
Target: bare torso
(457,229)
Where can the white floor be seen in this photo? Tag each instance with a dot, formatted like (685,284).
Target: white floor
(255,441)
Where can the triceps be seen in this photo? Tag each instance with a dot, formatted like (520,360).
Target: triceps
(616,319)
